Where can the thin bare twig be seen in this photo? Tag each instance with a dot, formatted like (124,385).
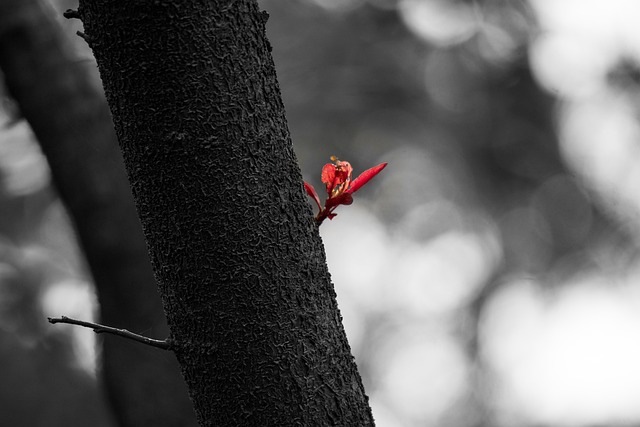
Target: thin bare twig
(99,329)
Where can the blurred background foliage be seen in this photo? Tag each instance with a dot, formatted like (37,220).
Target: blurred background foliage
(488,277)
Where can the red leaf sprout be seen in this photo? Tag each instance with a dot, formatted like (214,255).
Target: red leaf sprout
(336,177)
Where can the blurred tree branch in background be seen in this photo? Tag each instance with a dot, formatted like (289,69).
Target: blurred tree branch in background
(60,97)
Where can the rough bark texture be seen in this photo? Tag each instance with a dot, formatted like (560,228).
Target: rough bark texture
(239,262)
(66,108)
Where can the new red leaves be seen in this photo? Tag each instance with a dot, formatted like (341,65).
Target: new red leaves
(336,177)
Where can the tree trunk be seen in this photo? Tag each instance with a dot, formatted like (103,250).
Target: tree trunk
(67,111)
(239,262)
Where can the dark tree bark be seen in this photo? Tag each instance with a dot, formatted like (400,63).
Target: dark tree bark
(239,262)
(66,108)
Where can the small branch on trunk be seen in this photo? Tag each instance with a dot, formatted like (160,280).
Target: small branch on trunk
(99,329)
(84,37)
(71,14)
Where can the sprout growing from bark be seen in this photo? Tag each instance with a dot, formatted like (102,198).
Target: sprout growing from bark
(340,187)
